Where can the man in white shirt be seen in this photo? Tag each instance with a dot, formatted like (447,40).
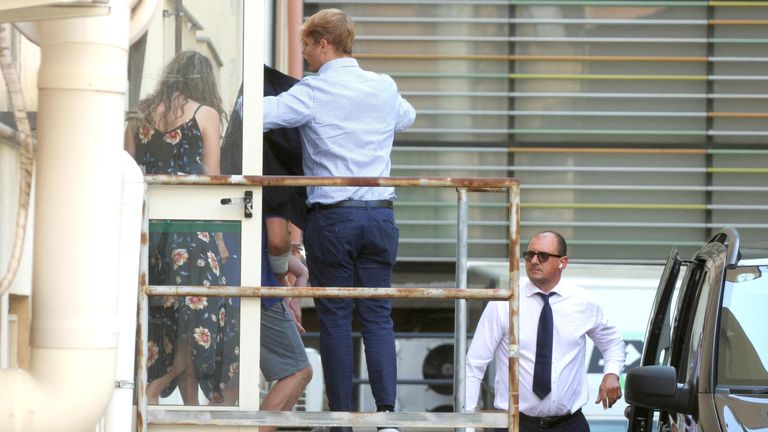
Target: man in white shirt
(553,376)
(347,118)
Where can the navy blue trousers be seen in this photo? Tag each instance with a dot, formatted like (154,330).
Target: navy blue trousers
(354,247)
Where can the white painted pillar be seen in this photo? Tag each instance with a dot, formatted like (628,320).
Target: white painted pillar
(82,86)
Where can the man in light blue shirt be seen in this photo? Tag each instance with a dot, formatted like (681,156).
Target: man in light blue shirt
(348,118)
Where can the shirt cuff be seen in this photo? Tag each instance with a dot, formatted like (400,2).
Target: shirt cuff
(472,393)
(612,368)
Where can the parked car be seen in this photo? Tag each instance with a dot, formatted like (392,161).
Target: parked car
(705,357)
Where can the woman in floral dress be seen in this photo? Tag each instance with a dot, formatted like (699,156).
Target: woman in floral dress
(179,133)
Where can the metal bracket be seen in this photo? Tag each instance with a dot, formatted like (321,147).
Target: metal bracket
(246,201)
(167,13)
(124,384)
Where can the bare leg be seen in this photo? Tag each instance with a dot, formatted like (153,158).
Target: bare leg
(230,395)
(188,386)
(181,361)
(285,393)
(157,386)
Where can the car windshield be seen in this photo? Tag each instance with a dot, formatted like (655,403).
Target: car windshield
(743,341)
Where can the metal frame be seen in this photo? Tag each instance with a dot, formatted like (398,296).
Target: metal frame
(219,417)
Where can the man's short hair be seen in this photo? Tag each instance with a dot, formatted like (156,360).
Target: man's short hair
(562,247)
(334,26)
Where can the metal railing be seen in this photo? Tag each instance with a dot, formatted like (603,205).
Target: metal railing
(457,419)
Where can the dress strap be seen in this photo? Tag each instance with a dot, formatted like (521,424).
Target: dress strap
(194,114)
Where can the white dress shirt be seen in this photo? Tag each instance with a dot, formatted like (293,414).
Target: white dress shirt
(348,118)
(576,315)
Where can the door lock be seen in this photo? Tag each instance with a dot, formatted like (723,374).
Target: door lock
(246,201)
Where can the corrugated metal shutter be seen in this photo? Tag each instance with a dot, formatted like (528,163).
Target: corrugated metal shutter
(633,126)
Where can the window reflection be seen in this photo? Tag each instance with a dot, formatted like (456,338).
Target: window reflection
(193,340)
(743,350)
(184,73)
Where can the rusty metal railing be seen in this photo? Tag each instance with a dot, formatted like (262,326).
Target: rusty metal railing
(461,293)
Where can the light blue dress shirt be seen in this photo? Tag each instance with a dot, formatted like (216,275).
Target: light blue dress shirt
(348,118)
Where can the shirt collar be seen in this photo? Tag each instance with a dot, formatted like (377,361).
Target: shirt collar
(532,290)
(336,64)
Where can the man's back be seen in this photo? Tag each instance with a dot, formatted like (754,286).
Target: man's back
(353,122)
(348,118)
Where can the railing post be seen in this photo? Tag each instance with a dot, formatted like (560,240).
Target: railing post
(142,414)
(513,194)
(251,416)
(460,322)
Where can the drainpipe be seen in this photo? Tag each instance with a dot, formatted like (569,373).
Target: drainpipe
(120,414)
(4,303)
(295,19)
(82,84)
(178,18)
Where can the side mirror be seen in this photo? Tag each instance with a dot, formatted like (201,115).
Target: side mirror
(656,387)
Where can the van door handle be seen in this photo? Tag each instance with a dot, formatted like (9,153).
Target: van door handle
(246,201)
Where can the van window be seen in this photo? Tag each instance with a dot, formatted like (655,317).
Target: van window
(743,341)
(695,330)
(682,347)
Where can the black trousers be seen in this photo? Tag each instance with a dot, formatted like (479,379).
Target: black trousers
(576,424)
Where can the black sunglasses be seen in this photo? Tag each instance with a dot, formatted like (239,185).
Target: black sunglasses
(543,256)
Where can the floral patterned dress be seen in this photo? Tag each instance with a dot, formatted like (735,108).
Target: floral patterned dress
(185,257)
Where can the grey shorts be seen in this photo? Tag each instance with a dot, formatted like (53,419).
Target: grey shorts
(282,351)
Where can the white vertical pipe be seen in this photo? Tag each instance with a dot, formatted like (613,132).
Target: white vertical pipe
(513,418)
(120,412)
(82,85)
(460,323)
(250,308)
(9,170)
(269,31)
(295,59)
(4,331)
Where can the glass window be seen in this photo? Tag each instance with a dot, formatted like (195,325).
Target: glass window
(696,329)
(743,341)
(635,127)
(193,340)
(185,67)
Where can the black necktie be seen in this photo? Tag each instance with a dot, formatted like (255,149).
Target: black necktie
(542,369)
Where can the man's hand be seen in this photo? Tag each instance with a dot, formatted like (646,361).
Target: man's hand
(610,391)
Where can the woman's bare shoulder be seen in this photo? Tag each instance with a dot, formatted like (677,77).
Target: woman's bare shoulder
(206,114)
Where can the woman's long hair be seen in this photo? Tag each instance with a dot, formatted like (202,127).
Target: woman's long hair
(189,75)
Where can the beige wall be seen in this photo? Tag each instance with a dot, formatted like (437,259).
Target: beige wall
(16,338)
(218,29)
(20,308)
(9,199)
(211,26)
